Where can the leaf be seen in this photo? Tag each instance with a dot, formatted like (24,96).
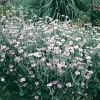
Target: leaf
(39,92)
(44,95)
(23,92)
(4,87)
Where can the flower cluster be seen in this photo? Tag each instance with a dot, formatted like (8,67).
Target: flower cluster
(52,59)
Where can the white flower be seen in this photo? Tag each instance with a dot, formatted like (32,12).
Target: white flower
(35,15)
(49,84)
(30,54)
(3,47)
(72,49)
(59,43)
(30,34)
(62,40)
(33,64)
(88,57)
(11,70)
(20,50)
(32,76)
(21,37)
(77,38)
(52,45)
(22,79)
(87,76)
(2,79)
(80,49)
(90,72)
(76,46)
(37,54)
(77,72)
(80,59)
(70,42)
(55,27)
(49,64)
(68,84)
(59,65)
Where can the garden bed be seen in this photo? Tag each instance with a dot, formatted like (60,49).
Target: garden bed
(55,61)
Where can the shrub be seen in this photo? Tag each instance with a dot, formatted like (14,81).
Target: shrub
(55,8)
(4,9)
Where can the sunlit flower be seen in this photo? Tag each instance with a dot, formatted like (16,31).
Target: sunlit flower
(87,76)
(76,47)
(22,80)
(33,75)
(3,79)
(77,72)
(36,97)
(37,54)
(33,64)
(68,84)
(36,83)
(88,57)
(70,42)
(20,50)
(50,84)
(24,84)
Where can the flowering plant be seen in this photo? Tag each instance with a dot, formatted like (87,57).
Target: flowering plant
(53,61)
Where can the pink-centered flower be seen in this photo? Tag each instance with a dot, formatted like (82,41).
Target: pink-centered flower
(82,83)
(22,80)
(43,48)
(80,67)
(60,70)
(24,84)
(54,82)
(42,59)
(59,85)
(30,72)
(52,66)
(12,52)
(56,61)
(70,42)
(11,66)
(36,97)
(68,84)
(33,64)
(20,50)
(36,83)
(87,76)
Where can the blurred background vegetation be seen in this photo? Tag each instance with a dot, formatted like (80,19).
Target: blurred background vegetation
(85,10)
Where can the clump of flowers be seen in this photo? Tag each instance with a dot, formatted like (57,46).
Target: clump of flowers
(54,61)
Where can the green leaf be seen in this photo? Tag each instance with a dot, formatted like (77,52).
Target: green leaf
(44,95)
(39,92)
(4,87)
(23,92)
